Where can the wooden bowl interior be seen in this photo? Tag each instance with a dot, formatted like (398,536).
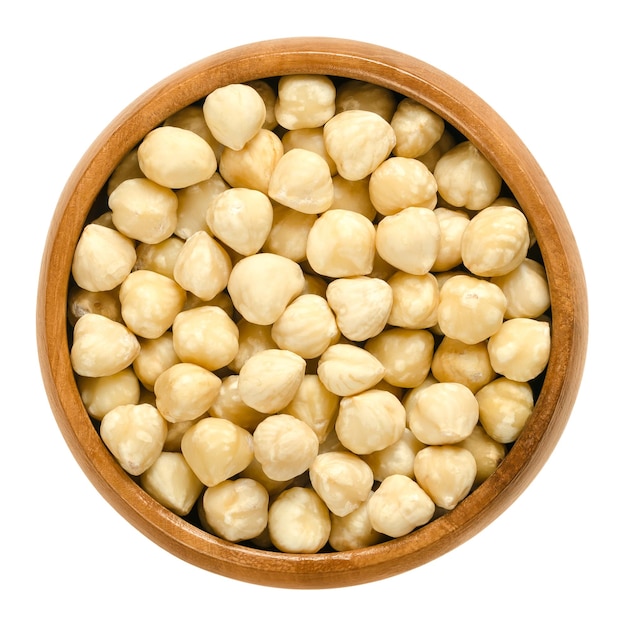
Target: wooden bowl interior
(466,112)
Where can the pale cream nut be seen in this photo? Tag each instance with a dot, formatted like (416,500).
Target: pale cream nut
(302,180)
(299,521)
(144,210)
(237,509)
(159,257)
(347,369)
(241,219)
(314,405)
(203,266)
(103,258)
(234,114)
(443,413)
(304,101)
(101,346)
(185,391)
(353,195)
(405,354)
(417,128)
(358,141)
(526,289)
(150,302)
(341,244)
(415,300)
(192,118)
(171,482)
(229,405)
(216,449)
(307,327)
(465,178)
(289,233)
(352,531)
(134,434)
(267,93)
(452,225)
(361,304)
(252,166)
(176,157)
(446,473)
(369,421)
(101,395)
(409,239)
(505,406)
(398,506)
(81,301)
(269,380)
(398,183)
(471,309)
(262,285)
(309,139)
(488,453)
(365,96)
(520,349)
(192,205)
(495,241)
(284,446)
(342,480)
(155,357)
(398,458)
(206,336)
(468,364)
(252,339)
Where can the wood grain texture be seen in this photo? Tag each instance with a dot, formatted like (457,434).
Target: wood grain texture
(493,137)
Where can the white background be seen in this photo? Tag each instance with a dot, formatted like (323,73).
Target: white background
(554,71)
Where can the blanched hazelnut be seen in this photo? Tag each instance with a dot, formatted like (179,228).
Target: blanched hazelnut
(488,453)
(398,458)
(307,327)
(269,379)
(155,357)
(399,505)
(192,118)
(185,391)
(398,183)
(443,413)
(241,218)
(289,233)
(452,225)
(466,179)
(495,241)
(101,395)
(103,258)
(237,509)
(471,309)
(301,180)
(341,244)
(262,285)
(354,530)
(369,421)
(361,305)
(144,210)
(365,96)
(405,354)
(206,336)
(172,483)
(409,240)
(309,139)
(353,195)
(134,434)
(299,521)
(358,141)
(175,157)
(159,257)
(101,347)
(234,114)
(505,406)
(446,473)
(150,302)
(304,101)
(346,369)
(284,446)
(342,479)
(251,167)
(82,301)
(202,266)
(417,128)
(216,449)
(520,349)
(252,339)
(415,299)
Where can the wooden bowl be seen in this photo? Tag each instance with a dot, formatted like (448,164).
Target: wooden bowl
(466,112)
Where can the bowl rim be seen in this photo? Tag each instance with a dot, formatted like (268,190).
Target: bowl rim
(479,123)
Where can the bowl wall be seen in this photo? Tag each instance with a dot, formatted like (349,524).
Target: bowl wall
(465,111)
